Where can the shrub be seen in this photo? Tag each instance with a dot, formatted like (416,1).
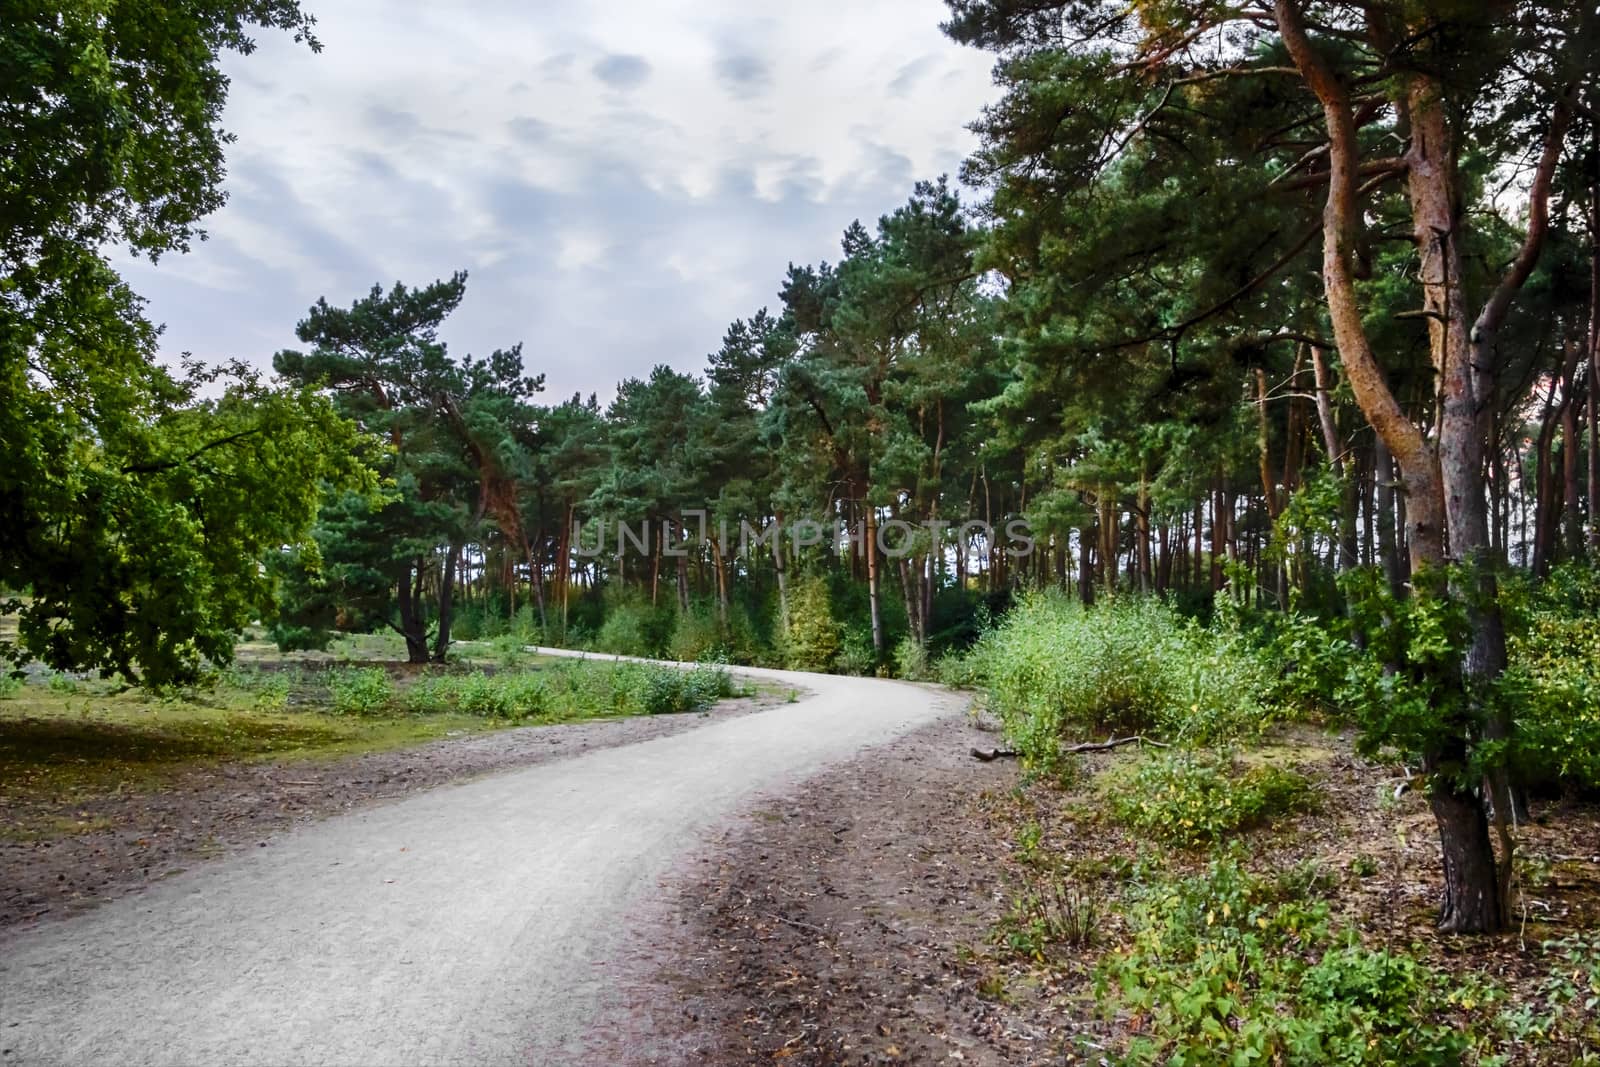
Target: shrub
(360,690)
(812,642)
(856,654)
(10,686)
(1187,798)
(1226,968)
(1051,913)
(667,689)
(696,635)
(268,689)
(1553,683)
(1131,666)
(635,627)
(911,660)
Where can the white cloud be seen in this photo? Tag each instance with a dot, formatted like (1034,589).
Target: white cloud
(610,220)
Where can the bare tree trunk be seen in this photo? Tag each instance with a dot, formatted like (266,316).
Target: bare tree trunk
(409,601)
(447,578)
(1383,480)
(1594,364)
(873,580)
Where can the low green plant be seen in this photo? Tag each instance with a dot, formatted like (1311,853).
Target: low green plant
(856,654)
(1052,913)
(10,686)
(63,684)
(1226,968)
(1054,669)
(1188,798)
(911,660)
(360,690)
(1562,1019)
(667,690)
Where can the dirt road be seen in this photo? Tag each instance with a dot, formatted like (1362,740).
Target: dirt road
(474,924)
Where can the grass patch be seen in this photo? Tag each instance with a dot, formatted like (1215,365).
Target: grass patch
(1054,670)
(62,745)
(1190,798)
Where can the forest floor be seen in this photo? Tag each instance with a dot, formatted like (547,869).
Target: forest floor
(864,919)
(103,792)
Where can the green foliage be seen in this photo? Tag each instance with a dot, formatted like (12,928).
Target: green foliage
(911,660)
(813,641)
(1227,968)
(360,690)
(568,690)
(1052,668)
(136,503)
(1189,798)
(1560,1023)
(667,690)
(1553,681)
(1051,913)
(635,627)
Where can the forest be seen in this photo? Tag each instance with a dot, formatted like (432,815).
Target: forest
(1273,326)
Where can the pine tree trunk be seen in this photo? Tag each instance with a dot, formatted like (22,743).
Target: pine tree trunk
(783,579)
(409,601)
(873,580)
(447,579)
(1388,550)
(1444,485)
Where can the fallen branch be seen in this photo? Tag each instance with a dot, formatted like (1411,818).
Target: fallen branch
(1116,742)
(992,754)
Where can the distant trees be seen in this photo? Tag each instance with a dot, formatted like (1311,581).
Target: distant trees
(454,459)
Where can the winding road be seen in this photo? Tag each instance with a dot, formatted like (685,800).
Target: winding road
(478,923)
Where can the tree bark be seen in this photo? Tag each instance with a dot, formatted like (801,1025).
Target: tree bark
(447,578)
(1471,901)
(409,601)
(871,546)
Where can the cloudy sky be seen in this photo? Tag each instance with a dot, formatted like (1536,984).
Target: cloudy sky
(620,179)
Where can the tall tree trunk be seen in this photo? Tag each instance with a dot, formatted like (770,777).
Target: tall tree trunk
(1142,519)
(1594,362)
(1088,536)
(1571,454)
(1437,484)
(722,584)
(782,572)
(447,580)
(409,602)
(1383,482)
(873,580)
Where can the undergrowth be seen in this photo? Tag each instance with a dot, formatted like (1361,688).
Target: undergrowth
(1054,670)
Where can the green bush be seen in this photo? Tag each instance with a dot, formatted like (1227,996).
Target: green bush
(911,660)
(1553,682)
(1053,668)
(269,690)
(1226,968)
(667,690)
(635,627)
(1188,798)
(812,642)
(696,635)
(10,686)
(360,690)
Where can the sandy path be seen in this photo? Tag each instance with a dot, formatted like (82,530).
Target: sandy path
(471,924)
